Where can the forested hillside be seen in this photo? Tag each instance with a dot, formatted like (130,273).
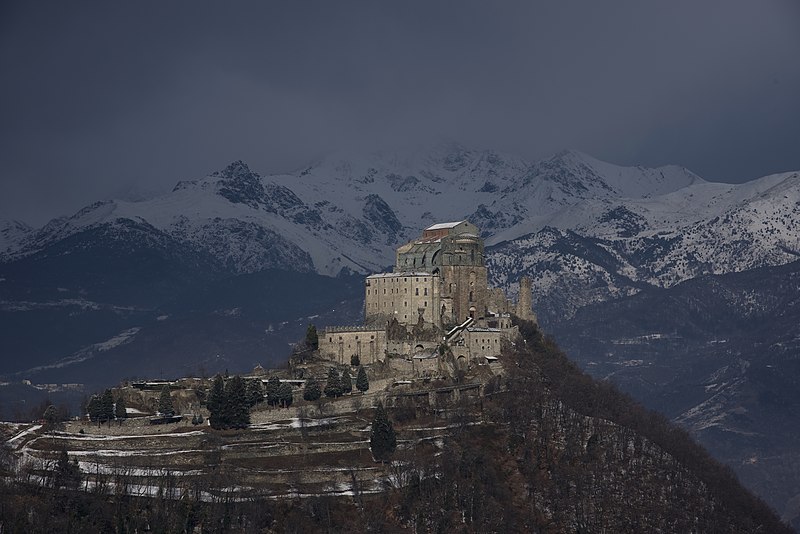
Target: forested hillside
(546,449)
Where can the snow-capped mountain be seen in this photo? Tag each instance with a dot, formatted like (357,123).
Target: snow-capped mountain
(350,212)
(585,230)
(225,271)
(11,233)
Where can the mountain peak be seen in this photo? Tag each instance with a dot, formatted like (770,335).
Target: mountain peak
(235,170)
(240,185)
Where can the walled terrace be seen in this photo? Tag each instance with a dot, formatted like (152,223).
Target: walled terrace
(310,449)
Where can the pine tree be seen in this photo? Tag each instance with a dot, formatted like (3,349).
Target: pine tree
(93,408)
(236,411)
(51,417)
(312,338)
(119,409)
(362,382)
(107,406)
(382,438)
(312,390)
(216,402)
(273,385)
(255,392)
(334,386)
(346,381)
(286,395)
(165,405)
(66,474)
(355,361)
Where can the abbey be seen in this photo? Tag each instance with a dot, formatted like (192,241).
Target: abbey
(437,293)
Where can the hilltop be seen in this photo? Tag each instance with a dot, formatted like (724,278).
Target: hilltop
(542,447)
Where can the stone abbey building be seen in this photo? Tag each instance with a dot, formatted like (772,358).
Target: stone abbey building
(438,292)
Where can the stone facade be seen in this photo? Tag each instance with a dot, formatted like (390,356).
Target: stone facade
(339,344)
(439,281)
(403,296)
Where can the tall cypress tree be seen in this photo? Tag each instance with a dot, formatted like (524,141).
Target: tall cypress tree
(216,402)
(273,396)
(165,405)
(312,338)
(334,386)
(119,409)
(382,438)
(346,381)
(237,410)
(107,406)
(286,395)
(312,390)
(362,382)
(255,392)
(94,408)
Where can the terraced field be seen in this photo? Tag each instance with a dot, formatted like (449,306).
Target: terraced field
(284,453)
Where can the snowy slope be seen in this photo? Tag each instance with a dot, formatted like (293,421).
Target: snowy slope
(577,224)
(11,233)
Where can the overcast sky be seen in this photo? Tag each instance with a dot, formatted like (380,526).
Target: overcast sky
(101,100)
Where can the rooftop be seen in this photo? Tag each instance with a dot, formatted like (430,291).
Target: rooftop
(393,275)
(444,226)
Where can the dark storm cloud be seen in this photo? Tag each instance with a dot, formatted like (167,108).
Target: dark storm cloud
(101,99)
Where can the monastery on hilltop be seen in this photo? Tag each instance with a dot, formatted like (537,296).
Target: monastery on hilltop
(438,293)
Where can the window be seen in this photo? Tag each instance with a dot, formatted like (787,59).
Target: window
(425,304)
(426,291)
(416,291)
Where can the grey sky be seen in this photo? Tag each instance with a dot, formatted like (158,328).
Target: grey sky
(100,99)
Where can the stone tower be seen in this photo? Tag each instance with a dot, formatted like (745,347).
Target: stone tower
(525,301)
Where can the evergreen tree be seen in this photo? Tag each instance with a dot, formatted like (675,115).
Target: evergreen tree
(312,338)
(346,381)
(273,385)
(165,405)
(362,382)
(216,402)
(382,438)
(255,392)
(51,417)
(93,408)
(334,386)
(107,406)
(355,361)
(312,390)
(66,474)
(119,409)
(286,395)
(236,411)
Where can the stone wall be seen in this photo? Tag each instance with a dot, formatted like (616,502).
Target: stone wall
(402,296)
(339,344)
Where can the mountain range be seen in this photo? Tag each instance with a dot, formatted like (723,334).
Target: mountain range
(225,271)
